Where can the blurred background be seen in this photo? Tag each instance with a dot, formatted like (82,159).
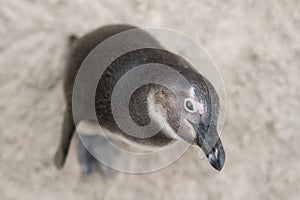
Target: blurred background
(256,45)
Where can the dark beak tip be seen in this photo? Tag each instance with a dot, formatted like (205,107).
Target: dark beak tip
(217,164)
(216,161)
(219,167)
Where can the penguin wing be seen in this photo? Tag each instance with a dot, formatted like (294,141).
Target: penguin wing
(80,48)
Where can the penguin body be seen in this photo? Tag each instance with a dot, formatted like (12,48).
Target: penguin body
(78,51)
(200,98)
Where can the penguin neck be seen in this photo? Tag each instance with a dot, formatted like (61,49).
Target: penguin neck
(155,102)
(164,109)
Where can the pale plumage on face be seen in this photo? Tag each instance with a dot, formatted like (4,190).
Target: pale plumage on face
(192,111)
(195,104)
(167,108)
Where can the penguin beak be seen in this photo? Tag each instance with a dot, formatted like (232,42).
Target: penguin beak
(208,140)
(216,156)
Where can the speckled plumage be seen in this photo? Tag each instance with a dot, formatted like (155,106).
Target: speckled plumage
(138,103)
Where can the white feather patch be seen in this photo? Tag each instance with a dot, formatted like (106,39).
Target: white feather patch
(157,113)
(91,128)
(192,92)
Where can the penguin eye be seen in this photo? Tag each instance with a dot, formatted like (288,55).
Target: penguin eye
(189,105)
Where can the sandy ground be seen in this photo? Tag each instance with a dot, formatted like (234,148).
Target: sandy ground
(257,48)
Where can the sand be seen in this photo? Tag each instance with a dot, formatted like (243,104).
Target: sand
(256,46)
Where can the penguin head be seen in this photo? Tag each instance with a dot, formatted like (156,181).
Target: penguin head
(196,111)
(203,109)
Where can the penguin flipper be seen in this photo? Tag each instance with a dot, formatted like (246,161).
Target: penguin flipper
(94,149)
(87,161)
(68,129)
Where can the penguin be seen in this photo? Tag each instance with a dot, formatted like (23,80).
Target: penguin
(200,103)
